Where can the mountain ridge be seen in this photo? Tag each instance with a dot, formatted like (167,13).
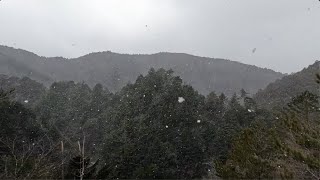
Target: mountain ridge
(114,70)
(280,92)
(139,54)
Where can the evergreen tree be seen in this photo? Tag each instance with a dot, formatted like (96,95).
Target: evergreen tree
(304,104)
(23,146)
(252,155)
(16,122)
(288,149)
(156,130)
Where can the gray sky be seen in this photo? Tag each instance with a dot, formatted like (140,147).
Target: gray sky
(284,33)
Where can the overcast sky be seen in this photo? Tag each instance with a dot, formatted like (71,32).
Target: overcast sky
(283,35)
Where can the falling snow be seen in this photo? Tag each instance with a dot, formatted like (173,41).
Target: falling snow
(26,101)
(181,99)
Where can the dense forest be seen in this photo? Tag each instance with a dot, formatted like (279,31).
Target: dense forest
(156,128)
(280,92)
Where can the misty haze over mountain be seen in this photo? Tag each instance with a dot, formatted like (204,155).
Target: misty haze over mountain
(116,70)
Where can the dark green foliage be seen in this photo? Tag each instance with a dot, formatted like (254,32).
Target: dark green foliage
(16,121)
(156,128)
(71,111)
(276,95)
(23,146)
(65,106)
(318,78)
(251,156)
(153,135)
(288,149)
(215,109)
(305,104)
(26,91)
(100,100)
(229,118)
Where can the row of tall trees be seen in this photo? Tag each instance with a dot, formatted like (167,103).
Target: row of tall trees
(156,128)
(289,148)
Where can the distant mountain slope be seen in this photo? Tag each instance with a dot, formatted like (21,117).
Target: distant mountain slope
(281,91)
(13,67)
(26,91)
(115,70)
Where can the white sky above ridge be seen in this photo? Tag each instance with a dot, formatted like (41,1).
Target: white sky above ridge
(284,33)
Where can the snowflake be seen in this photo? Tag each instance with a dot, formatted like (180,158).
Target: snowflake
(198,121)
(26,101)
(181,99)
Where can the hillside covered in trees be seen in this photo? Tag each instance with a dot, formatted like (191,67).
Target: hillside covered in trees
(116,70)
(155,128)
(280,92)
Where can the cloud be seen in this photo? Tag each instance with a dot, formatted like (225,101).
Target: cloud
(284,32)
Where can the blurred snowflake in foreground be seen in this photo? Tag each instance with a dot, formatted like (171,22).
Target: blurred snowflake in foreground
(181,99)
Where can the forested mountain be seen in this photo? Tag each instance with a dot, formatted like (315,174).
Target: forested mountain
(155,128)
(116,70)
(280,92)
